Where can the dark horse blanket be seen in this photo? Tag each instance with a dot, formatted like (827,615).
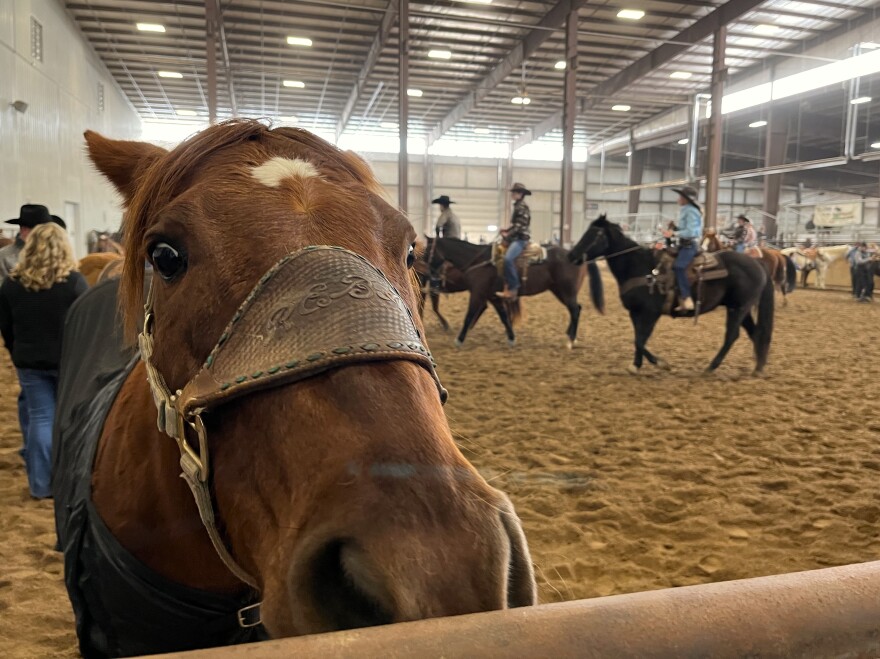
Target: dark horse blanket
(122,607)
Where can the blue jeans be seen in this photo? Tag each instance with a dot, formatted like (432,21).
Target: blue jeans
(39,393)
(682,261)
(511,276)
(740,247)
(23,423)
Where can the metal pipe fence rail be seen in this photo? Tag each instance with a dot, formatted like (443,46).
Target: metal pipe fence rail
(833,612)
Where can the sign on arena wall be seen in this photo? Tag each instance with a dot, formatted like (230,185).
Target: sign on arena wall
(837,215)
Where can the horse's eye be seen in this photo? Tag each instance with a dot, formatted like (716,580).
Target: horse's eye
(411,256)
(167,261)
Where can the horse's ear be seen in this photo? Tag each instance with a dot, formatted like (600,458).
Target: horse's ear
(121,161)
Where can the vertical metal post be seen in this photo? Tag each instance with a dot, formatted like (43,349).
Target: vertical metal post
(403,117)
(636,166)
(211,54)
(713,169)
(507,202)
(428,182)
(569,113)
(776,146)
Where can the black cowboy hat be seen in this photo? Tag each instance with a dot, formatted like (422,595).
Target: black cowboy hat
(443,199)
(57,220)
(31,215)
(743,217)
(689,193)
(519,187)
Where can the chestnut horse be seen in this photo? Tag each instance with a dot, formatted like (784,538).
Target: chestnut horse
(780,266)
(93,265)
(340,497)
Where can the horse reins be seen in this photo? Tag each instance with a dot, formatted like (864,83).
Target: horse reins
(317,309)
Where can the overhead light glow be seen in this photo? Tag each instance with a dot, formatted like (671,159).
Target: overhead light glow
(439,54)
(414,92)
(621,108)
(766,29)
(560,64)
(827,74)
(299,41)
(150,27)
(390,125)
(298,84)
(875,145)
(631,14)
(860,100)
(476,2)
(747,98)
(187,113)
(492,227)
(758,124)
(684,141)
(629,153)
(482,131)
(170,74)
(681,75)
(869,45)
(290,119)
(520,100)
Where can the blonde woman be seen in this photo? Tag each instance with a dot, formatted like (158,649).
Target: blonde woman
(34,300)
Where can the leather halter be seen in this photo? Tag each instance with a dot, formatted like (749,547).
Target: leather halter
(315,310)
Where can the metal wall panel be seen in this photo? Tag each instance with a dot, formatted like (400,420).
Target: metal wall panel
(42,153)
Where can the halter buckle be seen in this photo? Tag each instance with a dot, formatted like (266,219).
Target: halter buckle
(201,458)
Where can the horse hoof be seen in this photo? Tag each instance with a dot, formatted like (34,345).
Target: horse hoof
(663,365)
(632,369)
(459,343)
(511,342)
(569,344)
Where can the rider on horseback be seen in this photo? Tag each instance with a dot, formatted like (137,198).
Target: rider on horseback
(517,238)
(690,229)
(745,235)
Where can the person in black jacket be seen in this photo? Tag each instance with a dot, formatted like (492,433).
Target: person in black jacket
(34,300)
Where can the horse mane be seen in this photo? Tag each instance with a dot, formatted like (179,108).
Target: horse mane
(166,176)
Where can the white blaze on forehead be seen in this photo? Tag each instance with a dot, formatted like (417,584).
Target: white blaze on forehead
(275,170)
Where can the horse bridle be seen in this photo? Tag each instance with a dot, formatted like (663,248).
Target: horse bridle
(315,310)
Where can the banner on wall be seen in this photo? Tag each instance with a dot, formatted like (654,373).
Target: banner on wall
(837,215)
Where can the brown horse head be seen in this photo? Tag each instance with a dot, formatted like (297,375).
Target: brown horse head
(343,494)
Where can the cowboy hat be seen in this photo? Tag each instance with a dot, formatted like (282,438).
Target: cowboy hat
(519,187)
(744,218)
(57,220)
(689,193)
(443,199)
(31,215)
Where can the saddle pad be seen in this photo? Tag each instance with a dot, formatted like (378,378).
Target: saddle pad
(122,608)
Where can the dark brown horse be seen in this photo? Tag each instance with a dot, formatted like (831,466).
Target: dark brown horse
(556,274)
(783,272)
(339,494)
(445,279)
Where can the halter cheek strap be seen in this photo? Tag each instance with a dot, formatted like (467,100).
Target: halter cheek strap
(315,310)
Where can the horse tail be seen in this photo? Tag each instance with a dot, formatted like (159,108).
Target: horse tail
(515,312)
(597,292)
(790,275)
(764,325)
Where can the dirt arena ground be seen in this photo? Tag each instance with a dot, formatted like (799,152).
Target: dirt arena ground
(623,483)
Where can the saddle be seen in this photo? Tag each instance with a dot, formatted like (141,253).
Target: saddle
(533,254)
(706,266)
(754,252)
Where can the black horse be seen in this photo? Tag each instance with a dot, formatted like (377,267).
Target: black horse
(746,285)
(434,280)
(556,274)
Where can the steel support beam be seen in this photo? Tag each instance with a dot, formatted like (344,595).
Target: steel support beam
(636,167)
(777,147)
(403,106)
(726,13)
(713,164)
(569,107)
(373,54)
(833,612)
(211,29)
(553,19)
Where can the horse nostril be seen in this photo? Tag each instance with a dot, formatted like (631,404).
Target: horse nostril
(345,588)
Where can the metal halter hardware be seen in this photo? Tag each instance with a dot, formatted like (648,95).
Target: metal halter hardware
(317,309)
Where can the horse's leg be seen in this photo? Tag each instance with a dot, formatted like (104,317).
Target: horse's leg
(505,320)
(476,306)
(735,316)
(574,311)
(435,305)
(643,326)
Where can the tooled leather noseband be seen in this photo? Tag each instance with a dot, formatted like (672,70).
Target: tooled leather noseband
(317,309)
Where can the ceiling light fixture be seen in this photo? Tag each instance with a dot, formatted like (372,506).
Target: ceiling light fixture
(187,113)
(629,153)
(875,145)
(150,27)
(860,100)
(297,84)
(299,41)
(439,54)
(414,92)
(621,108)
(560,64)
(684,141)
(766,29)
(631,14)
(681,75)
(390,125)
(758,124)
(482,131)
(170,74)
(520,100)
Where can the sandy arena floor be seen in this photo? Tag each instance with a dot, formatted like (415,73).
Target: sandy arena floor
(623,483)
